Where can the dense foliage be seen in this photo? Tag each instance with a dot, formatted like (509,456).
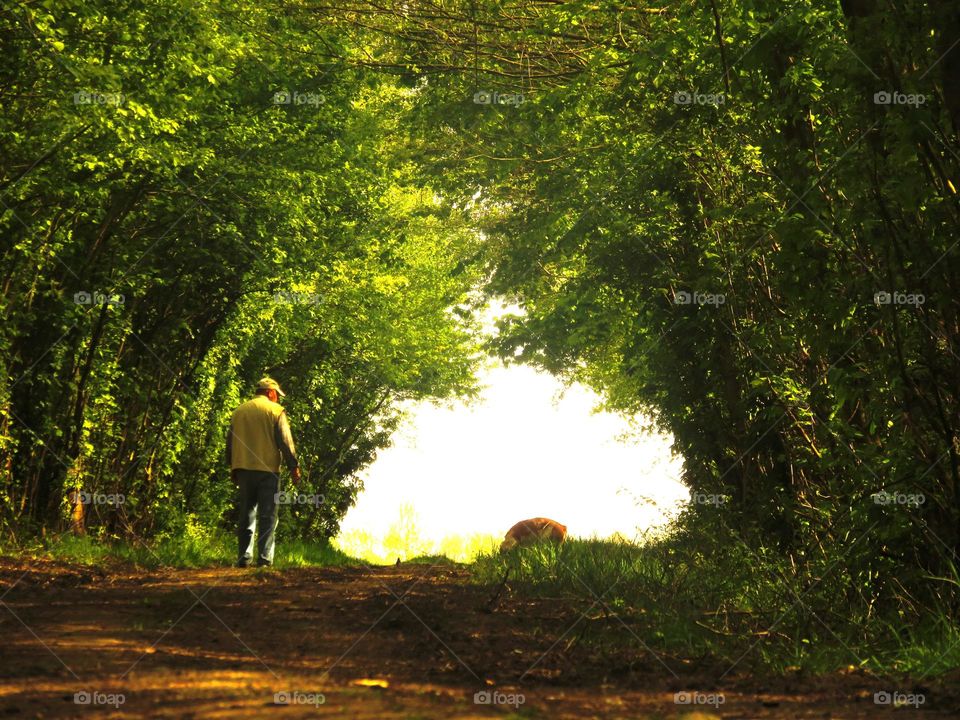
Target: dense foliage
(189,202)
(742,219)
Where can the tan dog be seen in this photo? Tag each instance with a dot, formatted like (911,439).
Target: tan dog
(527,532)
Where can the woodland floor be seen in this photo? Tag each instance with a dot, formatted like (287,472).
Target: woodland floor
(220,642)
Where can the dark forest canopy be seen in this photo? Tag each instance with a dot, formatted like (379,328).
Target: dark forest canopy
(738,217)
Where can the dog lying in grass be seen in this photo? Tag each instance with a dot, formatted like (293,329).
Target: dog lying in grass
(534,530)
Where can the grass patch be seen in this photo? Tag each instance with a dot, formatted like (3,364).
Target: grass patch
(180,552)
(297,553)
(218,549)
(433,560)
(721,600)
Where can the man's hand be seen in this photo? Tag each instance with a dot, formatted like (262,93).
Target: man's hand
(296,476)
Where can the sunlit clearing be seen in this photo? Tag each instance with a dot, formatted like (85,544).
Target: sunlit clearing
(457,478)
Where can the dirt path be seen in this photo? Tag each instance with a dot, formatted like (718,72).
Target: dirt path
(222,642)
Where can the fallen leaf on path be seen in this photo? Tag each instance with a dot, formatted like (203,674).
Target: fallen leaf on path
(371,682)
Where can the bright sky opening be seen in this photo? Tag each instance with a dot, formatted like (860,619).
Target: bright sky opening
(529,447)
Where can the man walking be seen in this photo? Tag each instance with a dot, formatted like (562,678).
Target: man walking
(258,439)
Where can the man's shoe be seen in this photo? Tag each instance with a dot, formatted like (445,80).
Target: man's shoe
(243,563)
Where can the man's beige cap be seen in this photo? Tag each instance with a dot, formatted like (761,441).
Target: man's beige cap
(269,383)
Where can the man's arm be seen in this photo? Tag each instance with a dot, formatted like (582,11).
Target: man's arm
(284,440)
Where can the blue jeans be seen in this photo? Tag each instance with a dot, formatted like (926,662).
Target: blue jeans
(258,491)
